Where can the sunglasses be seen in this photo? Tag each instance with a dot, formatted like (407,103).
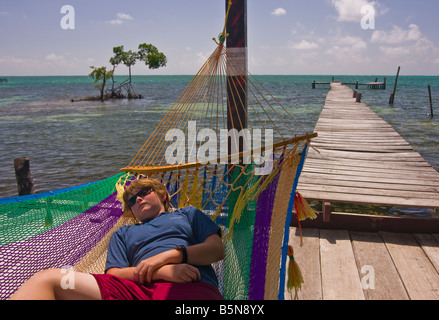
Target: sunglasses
(142,193)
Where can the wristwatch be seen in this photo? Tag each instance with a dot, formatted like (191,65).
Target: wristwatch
(182,249)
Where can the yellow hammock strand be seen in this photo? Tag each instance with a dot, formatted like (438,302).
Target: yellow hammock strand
(295,278)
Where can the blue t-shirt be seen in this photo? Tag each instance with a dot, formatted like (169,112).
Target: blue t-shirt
(129,245)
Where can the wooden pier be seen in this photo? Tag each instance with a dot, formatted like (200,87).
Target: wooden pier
(370,85)
(3,80)
(359,158)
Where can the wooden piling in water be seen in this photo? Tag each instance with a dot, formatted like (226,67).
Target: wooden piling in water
(392,96)
(23,174)
(431,102)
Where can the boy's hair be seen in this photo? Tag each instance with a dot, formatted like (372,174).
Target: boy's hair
(156,185)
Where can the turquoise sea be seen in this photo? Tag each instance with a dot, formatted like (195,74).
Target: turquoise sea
(70,144)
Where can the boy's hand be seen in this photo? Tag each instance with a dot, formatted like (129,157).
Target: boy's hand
(146,269)
(182,273)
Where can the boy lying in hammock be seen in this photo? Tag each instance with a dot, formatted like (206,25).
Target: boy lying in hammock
(167,255)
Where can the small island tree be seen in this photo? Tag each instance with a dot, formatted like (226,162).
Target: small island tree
(147,53)
(151,56)
(115,61)
(100,76)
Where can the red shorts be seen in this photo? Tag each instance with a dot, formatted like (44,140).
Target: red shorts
(115,288)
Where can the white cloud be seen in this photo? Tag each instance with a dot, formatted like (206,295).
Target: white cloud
(410,53)
(124,16)
(350,10)
(202,58)
(120,19)
(347,44)
(406,45)
(54,58)
(397,51)
(304,45)
(299,28)
(348,51)
(397,35)
(279,12)
(355,43)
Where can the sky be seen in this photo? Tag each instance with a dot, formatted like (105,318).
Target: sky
(286,37)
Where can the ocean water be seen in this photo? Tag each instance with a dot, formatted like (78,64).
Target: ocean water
(70,144)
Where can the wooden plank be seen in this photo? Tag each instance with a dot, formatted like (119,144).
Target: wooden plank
(376,171)
(366,199)
(352,124)
(369,172)
(400,156)
(379,277)
(340,278)
(366,142)
(419,276)
(431,248)
(308,259)
(353,136)
(368,185)
(372,223)
(407,165)
(412,167)
(371,192)
(322,176)
(363,148)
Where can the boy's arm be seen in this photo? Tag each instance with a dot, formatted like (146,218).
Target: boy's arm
(203,254)
(170,272)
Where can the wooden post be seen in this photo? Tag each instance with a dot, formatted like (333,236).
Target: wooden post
(431,102)
(23,174)
(392,96)
(359,97)
(314,84)
(237,76)
(326,211)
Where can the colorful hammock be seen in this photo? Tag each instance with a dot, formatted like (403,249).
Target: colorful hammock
(250,192)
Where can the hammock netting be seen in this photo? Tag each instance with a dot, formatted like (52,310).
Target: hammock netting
(250,191)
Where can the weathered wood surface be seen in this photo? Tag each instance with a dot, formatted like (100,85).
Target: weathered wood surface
(359,158)
(344,265)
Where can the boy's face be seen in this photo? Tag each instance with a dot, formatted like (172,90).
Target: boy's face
(147,205)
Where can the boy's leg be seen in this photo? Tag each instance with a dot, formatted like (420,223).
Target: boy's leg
(59,284)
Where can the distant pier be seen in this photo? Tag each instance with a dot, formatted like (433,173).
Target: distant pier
(3,80)
(370,85)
